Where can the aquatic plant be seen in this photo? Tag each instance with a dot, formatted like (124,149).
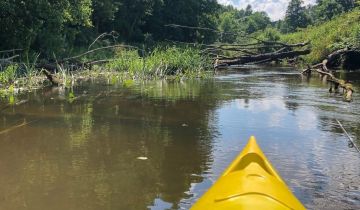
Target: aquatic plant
(8,76)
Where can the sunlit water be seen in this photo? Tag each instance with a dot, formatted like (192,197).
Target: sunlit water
(161,145)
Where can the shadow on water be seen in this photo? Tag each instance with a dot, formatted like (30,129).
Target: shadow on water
(160,145)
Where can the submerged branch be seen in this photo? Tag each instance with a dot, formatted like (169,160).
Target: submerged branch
(16,104)
(323,69)
(16,126)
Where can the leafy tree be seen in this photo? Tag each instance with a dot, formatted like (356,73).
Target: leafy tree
(229,26)
(257,21)
(233,21)
(104,14)
(327,9)
(347,4)
(44,25)
(194,13)
(269,34)
(295,17)
(248,10)
(129,17)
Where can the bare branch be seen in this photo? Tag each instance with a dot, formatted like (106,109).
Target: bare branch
(12,50)
(101,36)
(260,57)
(205,29)
(97,49)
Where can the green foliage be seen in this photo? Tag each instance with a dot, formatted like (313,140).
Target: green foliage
(198,13)
(257,21)
(343,31)
(42,24)
(8,75)
(296,17)
(71,97)
(233,22)
(269,34)
(229,26)
(160,63)
(56,27)
(327,9)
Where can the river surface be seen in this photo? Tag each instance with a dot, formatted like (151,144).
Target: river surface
(161,145)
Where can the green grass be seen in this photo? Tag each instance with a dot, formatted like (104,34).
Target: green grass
(343,31)
(164,62)
(161,63)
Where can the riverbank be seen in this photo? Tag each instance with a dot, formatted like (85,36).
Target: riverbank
(117,63)
(341,32)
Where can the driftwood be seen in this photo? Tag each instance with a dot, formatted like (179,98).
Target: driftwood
(324,69)
(52,78)
(24,123)
(255,53)
(16,104)
(266,57)
(7,61)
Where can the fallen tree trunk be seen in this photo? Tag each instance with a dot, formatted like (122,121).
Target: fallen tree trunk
(334,58)
(52,78)
(7,61)
(324,71)
(263,57)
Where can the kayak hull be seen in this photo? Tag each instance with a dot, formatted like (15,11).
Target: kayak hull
(250,182)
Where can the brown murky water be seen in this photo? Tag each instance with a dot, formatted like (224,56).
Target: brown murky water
(160,145)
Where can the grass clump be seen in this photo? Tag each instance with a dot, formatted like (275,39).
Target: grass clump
(341,32)
(162,62)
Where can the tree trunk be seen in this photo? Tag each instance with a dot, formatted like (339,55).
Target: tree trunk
(262,57)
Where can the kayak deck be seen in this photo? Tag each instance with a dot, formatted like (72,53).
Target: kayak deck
(250,182)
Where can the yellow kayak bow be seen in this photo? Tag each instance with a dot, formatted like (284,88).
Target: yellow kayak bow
(250,183)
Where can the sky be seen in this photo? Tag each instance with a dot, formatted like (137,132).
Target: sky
(275,8)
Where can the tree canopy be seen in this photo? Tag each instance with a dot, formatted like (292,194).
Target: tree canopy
(55,27)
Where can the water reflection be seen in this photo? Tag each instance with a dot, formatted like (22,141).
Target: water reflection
(83,153)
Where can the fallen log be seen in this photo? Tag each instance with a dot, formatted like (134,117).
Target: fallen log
(24,123)
(262,57)
(335,58)
(52,78)
(7,61)
(323,71)
(16,104)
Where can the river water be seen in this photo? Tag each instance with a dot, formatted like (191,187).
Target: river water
(161,145)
